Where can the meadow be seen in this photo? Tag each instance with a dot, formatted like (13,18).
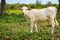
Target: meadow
(13,26)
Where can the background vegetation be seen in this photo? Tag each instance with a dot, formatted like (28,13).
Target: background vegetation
(13,25)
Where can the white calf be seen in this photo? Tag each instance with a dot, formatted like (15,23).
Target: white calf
(34,15)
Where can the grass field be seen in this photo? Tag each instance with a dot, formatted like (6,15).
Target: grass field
(13,26)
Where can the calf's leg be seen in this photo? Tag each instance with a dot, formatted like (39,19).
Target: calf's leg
(31,26)
(53,25)
(36,27)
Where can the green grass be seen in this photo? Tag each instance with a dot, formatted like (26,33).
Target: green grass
(16,27)
(11,18)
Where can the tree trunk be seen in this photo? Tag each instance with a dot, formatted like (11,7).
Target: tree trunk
(2,7)
(59,6)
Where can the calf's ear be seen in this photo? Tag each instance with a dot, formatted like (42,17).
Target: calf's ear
(29,8)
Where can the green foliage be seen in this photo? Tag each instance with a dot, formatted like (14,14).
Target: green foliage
(38,5)
(32,5)
(12,6)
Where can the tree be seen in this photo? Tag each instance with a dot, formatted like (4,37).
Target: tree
(38,3)
(2,7)
(59,6)
(49,3)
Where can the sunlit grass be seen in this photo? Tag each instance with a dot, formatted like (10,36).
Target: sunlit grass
(14,11)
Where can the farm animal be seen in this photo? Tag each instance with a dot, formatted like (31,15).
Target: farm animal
(34,15)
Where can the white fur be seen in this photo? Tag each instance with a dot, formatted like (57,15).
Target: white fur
(34,15)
